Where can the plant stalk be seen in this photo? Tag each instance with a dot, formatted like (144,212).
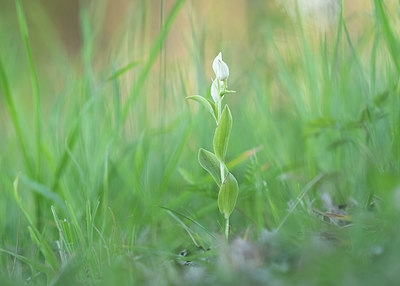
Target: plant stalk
(227,229)
(221,164)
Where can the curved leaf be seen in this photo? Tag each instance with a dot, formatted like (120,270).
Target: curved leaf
(227,196)
(206,103)
(215,115)
(211,164)
(221,137)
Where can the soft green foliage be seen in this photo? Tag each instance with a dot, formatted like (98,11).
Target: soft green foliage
(209,106)
(35,234)
(227,195)
(222,133)
(215,163)
(211,164)
(99,182)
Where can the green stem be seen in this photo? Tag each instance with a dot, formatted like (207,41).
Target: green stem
(221,163)
(227,229)
(221,166)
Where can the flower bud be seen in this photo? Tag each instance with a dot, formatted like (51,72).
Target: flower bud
(220,68)
(216,90)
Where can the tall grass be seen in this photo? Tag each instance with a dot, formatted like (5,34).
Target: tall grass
(98,179)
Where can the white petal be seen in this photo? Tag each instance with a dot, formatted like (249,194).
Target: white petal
(215,90)
(216,61)
(220,68)
(224,72)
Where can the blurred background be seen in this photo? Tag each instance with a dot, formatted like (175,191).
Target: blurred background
(233,23)
(122,31)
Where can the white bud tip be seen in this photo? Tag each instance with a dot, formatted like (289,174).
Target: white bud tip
(220,68)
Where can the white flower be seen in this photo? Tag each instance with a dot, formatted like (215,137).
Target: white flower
(216,90)
(220,68)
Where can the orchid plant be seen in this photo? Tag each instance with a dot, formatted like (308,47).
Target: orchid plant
(214,163)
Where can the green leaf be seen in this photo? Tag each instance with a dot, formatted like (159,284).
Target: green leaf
(75,223)
(36,237)
(227,196)
(221,137)
(36,265)
(206,103)
(389,36)
(35,87)
(215,115)
(15,119)
(43,191)
(44,247)
(187,176)
(123,70)
(211,164)
(382,97)
(228,92)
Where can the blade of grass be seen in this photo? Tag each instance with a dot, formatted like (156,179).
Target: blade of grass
(174,159)
(38,266)
(123,70)
(76,225)
(388,33)
(88,91)
(233,163)
(393,46)
(14,116)
(354,54)
(35,86)
(154,51)
(36,98)
(36,237)
(335,58)
(70,142)
(186,228)
(190,219)
(62,164)
(300,197)
(65,237)
(43,190)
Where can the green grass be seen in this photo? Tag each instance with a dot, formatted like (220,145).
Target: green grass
(99,179)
